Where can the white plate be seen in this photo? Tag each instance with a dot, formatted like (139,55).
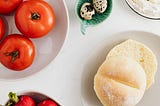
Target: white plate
(96,58)
(47,47)
(138,11)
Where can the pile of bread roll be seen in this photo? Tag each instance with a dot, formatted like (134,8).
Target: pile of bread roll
(122,79)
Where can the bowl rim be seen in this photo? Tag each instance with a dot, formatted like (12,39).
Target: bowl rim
(141,14)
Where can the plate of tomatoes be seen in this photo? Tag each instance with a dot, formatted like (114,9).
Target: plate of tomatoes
(32,33)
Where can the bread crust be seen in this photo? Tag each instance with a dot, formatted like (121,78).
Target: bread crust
(140,53)
(120,81)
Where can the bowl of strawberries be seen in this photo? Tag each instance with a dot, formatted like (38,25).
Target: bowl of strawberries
(30,98)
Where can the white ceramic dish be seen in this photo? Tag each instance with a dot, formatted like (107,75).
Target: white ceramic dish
(96,58)
(148,14)
(47,47)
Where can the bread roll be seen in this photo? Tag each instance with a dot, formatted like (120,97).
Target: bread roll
(120,81)
(139,52)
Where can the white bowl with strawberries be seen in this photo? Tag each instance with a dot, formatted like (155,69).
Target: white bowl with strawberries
(30,98)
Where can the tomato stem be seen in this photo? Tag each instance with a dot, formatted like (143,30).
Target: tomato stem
(35,16)
(13,98)
(13,54)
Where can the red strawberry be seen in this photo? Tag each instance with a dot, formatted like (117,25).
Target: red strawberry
(23,100)
(47,103)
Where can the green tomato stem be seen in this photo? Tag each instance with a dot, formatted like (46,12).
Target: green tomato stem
(35,16)
(13,98)
(13,54)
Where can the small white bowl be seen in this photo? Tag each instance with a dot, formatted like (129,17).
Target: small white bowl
(141,13)
(47,47)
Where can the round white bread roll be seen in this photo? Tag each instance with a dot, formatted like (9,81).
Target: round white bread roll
(120,81)
(140,53)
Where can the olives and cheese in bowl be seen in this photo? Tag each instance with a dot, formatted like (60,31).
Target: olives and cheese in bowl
(147,8)
(92,12)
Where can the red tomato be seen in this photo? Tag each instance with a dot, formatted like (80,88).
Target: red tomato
(34,18)
(17,52)
(8,6)
(1,28)
(47,103)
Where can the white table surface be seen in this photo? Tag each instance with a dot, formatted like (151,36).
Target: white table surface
(61,79)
